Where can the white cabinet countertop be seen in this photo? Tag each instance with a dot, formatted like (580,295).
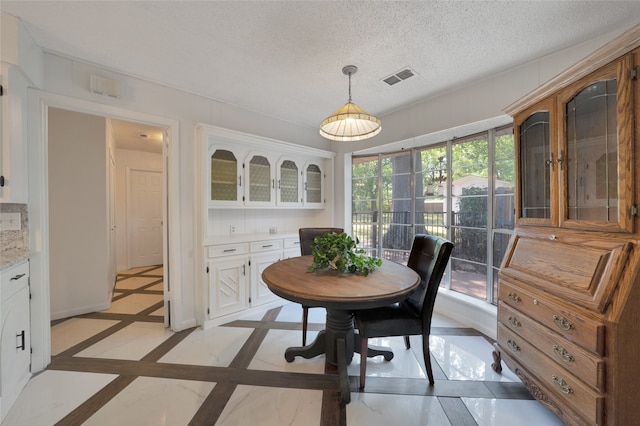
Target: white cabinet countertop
(10,258)
(247,238)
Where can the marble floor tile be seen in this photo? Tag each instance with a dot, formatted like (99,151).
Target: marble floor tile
(215,346)
(133,283)
(404,362)
(270,355)
(156,287)
(137,270)
(265,406)
(154,402)
(496,412)
(408,410)
(158,312)
(292,312)
(51,395)
(133,303)
(75,330)
(132,342)
(441,320)
(466,358)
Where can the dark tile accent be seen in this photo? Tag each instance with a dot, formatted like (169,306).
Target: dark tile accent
(457,412)
(402,386)
(509,390)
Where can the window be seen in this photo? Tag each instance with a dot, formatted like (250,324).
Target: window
(462,190)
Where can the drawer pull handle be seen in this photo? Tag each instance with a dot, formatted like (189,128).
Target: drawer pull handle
(17,277)
(267,245)
(562,385)
(229,250)
(562,323)
(514,322)
(562,353)
(514,297)
(296,243)
(513,346)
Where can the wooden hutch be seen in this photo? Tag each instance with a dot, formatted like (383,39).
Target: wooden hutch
(569,285)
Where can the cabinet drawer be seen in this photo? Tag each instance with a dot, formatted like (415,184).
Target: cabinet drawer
(268,245)
(228,249)
(14,279)
(573,326)
(292,243)
(587,366)
(559,380)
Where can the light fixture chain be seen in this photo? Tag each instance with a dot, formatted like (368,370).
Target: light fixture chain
(349,87)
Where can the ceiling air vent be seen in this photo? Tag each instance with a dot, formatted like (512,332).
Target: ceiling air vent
(399,76)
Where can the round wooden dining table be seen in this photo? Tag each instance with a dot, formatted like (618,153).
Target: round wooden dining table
(340,294)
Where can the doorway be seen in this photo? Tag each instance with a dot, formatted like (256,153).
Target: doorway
(106,212)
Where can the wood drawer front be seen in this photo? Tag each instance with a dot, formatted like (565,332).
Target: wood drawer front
(268,245)
(586,275)
(589,367)
(559,380)
(572,326)
(228,249)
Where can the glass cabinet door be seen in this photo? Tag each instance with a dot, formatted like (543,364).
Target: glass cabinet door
(260,181)
(226,181)
(288,183)
(536,149)
(313,184)
(596,170)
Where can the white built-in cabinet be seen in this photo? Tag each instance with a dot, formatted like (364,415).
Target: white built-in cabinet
(243,173)
(235,273)
(239,173)
(15,337)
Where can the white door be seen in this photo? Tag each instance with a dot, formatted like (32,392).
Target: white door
(145,218)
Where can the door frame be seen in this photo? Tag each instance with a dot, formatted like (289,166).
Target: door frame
(37,144)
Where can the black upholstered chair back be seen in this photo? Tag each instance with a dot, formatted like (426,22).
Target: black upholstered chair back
(307,235)
(429,257)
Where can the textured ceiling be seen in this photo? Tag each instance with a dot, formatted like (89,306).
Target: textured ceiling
(285,58)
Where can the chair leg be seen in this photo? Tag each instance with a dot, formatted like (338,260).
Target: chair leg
(427,357)
(407,343)
(305,320)
(364,349)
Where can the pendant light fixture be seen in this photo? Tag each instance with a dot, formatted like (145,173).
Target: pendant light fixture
(350,122)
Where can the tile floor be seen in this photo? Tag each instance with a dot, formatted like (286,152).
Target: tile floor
(121,366)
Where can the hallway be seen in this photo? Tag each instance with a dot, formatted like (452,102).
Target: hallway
(121,366)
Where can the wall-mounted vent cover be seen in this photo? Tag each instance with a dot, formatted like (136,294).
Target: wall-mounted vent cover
(399,76)
(104,86)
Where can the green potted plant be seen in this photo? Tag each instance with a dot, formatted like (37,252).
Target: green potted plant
(340,252)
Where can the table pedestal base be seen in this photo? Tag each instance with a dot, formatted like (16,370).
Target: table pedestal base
(339,342)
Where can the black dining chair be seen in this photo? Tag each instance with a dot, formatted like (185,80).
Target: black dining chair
(307,235)
(429,257)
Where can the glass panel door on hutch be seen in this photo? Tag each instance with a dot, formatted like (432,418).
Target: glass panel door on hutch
(536,154)
(597,144)
(226,177)
(574,153)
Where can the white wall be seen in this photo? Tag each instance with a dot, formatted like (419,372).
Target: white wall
(132,160)
(77,214)
(481,101)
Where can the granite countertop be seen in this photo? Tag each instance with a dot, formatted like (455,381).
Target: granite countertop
(10,258)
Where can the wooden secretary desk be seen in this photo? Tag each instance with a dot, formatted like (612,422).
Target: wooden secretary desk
(569,285)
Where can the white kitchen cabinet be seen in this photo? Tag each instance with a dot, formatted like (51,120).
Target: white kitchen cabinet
(313,185)
(15,346)
(260,178)
(291,247)
(225,175)
(13,144)
(248,171)
(264,253)
(289,182)
(228,268)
